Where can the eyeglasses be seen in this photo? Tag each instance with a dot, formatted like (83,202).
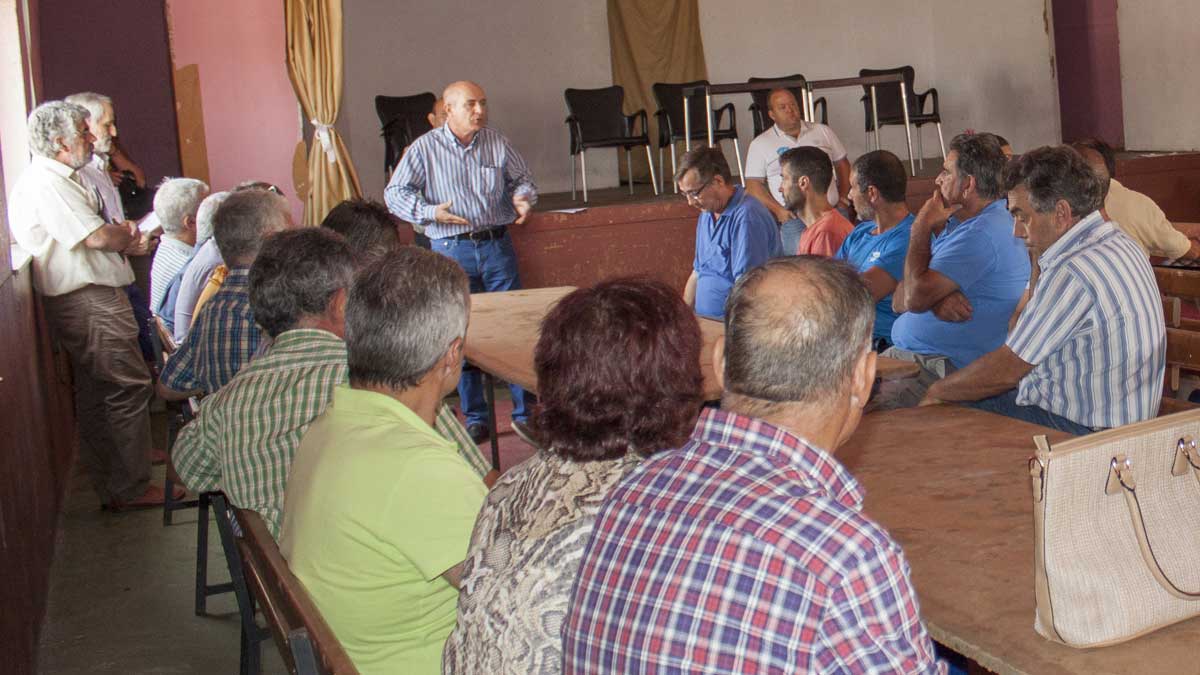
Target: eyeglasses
(695,194)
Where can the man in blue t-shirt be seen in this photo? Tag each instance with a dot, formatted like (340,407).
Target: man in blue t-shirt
(877,246)
(735,232)
(964,273)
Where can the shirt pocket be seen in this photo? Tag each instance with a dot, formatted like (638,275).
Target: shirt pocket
(491,179)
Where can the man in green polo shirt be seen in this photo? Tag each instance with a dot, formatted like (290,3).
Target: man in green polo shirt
(379,506)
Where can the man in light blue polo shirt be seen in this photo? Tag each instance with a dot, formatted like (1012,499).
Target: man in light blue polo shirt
(964,272)
(734,233)
(1089,350)
(877,246)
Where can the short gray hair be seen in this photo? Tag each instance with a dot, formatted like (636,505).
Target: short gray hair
(1051,173)
(981,156)
(51,121)
(176,200)
(404,311)
(800,344)
(296,274)
(243,220)
(204,215)
(93,102)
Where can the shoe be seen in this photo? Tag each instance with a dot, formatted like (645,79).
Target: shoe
(158,456)
(478,432)
(152,497)
(521,429)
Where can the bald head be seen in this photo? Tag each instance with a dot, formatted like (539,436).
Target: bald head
(1100,157)
(466,109)
(794,329)
(784,111)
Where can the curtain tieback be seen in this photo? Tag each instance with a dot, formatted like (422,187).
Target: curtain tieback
(321,131)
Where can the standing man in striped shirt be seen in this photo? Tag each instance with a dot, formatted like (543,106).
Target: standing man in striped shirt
(466,184)
(1089,350)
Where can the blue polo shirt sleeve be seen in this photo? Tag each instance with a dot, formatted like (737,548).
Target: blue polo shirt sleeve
(754,240)
(964,258)
(892,252)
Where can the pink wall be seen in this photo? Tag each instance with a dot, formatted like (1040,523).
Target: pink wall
(251,117)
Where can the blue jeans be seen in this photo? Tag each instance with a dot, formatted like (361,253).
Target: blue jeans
(1006,404)
(490,266)
(790,233)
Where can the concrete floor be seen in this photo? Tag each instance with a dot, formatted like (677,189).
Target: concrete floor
(121,589)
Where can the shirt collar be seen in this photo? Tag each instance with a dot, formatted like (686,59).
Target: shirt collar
(804,125)
(753,435)
(238,276)
(306,337)
(53,165)
(1072,239)
(384,409)
(450,138)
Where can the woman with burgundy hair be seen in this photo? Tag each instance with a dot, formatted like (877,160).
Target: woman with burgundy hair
(618,368)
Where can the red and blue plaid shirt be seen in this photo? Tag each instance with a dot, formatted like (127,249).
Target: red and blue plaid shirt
(744,551)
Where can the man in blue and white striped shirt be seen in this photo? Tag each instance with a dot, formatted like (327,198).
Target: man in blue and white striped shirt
(466,184)
(1089,350)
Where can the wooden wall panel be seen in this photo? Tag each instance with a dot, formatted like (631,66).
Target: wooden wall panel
(36,423)
(656,239)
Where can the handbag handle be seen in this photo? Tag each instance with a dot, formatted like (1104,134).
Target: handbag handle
(1120,479)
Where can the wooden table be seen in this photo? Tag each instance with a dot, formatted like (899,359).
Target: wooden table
(504,329)
(952,486)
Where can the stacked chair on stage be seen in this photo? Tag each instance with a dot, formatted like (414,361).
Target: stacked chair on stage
(596,119)
(887,100)
(759,107)
(404,118)
(671,127)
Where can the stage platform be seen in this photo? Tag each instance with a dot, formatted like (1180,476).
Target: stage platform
(569,243)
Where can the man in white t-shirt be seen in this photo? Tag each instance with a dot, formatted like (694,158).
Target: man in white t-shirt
(762,161)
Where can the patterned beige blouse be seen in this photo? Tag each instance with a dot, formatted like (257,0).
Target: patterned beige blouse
(522,561)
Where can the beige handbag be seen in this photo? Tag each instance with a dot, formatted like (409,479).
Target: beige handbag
(1117,531)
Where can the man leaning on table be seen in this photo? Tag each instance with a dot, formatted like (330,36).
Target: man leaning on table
(1088,351)
(465,184)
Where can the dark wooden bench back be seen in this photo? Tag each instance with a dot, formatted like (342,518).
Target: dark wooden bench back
(286,604)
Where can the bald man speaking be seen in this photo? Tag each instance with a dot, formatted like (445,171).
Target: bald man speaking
(466,184)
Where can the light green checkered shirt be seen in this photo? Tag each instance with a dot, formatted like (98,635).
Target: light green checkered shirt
(246,434)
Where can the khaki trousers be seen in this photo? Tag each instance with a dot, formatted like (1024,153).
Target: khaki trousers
(95,326)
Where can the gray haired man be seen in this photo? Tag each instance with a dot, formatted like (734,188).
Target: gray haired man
(175,204)
(380,507)
(80,268)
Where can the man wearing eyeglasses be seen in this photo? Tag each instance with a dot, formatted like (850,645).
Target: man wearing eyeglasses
(735,232)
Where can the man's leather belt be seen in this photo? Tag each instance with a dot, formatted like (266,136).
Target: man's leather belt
(481,235)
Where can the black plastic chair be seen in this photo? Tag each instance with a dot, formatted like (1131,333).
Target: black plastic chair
(759,107)
(596,119)
(404,118)
(887,100)
(671,128)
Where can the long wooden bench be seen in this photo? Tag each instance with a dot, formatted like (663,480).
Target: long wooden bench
(306,643)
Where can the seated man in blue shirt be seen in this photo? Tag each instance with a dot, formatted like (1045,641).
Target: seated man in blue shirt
(876,247)
(735,232)
(964,272)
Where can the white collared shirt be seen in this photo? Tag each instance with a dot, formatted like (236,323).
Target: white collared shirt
(50,213)
(95,174)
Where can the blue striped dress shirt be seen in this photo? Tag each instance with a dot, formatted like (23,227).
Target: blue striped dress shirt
(1094,330)
(479,179)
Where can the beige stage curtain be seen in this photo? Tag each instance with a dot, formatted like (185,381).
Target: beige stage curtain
(314,59)
(653,41)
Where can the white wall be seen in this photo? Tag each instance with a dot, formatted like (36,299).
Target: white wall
(523,52)
(1158,73)
(994,70)
(991,62)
